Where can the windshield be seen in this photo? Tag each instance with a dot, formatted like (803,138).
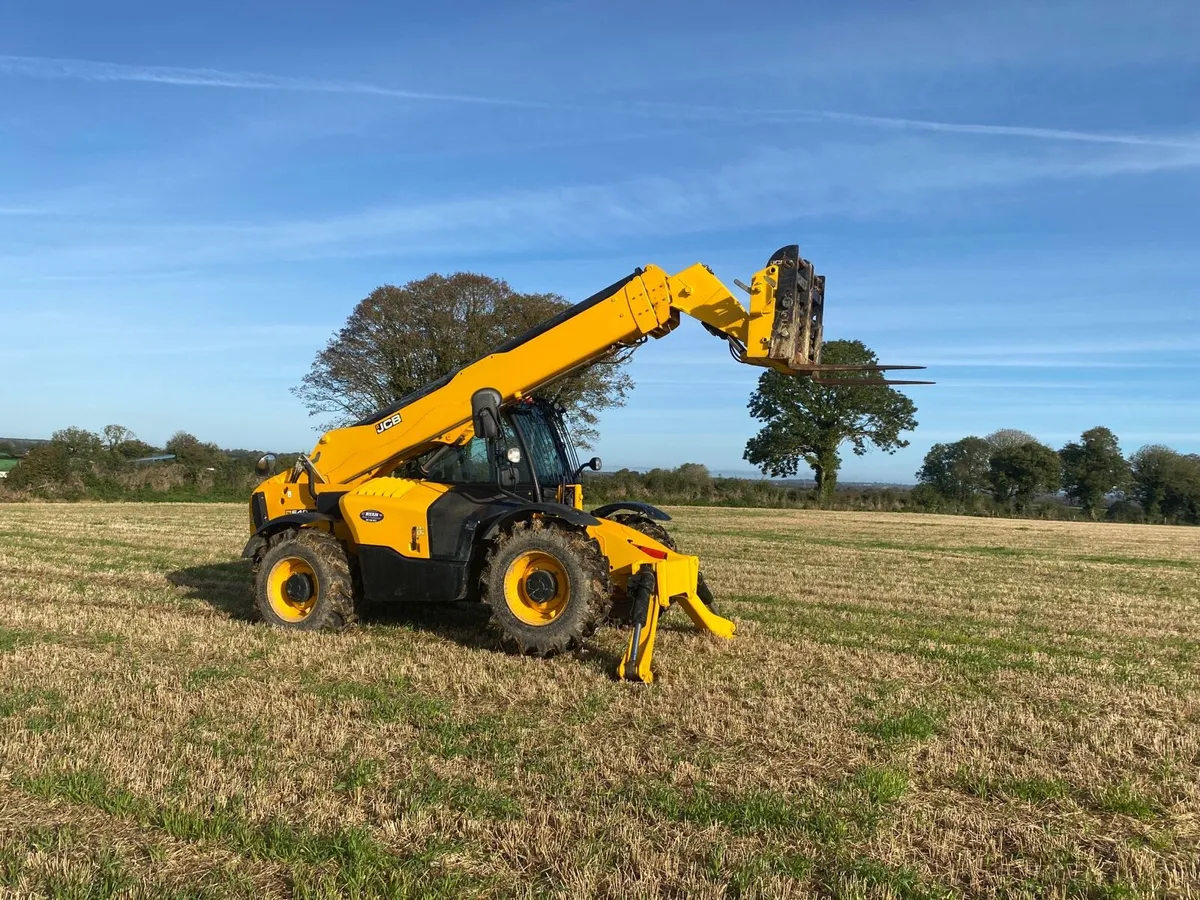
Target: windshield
(553,457)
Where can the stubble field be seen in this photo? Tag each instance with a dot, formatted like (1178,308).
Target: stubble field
(915,706)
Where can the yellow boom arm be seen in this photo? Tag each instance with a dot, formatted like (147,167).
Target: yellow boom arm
(781,329)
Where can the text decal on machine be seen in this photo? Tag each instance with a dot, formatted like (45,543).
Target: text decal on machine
(387,423)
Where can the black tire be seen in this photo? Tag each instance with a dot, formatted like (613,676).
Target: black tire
(647,526)
(303,582)
(577,593)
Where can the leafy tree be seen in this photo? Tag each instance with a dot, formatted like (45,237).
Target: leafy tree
(959,470)
(44,465)
(115,435)
(1020,472)
(135,449)
(1009,437)
(1183,498)
(77,443)
(694,474)
(808,423)
(1092,467)
(401,338)
(1167,484)
(190,451)
(1152,471)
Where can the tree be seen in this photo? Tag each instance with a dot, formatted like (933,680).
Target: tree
(190,451)
(1020,472)
(77,442)
(1093,467)
(1167,484)
(135,449)
(1151,468)
(808,423)
(1010,437)
(959,470)
(44,465)
(399,339)
(115,435)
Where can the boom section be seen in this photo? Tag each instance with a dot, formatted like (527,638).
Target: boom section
(618,317)
(780,329)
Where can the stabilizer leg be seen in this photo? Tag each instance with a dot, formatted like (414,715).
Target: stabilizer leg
(635,665)
(705,618)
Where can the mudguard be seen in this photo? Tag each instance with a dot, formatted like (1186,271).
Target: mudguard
(568,514)
(645,509)
(279,524)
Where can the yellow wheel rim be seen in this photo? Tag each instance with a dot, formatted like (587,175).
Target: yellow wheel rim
(292,589)
(536,588)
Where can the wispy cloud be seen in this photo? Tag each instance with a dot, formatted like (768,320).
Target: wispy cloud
(1189,142)
(766,188)
(91,70)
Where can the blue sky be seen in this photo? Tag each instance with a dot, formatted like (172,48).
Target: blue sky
(193,197)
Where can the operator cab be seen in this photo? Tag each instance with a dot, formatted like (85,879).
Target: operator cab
(532,457)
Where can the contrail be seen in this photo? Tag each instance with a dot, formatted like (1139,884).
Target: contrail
(87,70)
(822,115)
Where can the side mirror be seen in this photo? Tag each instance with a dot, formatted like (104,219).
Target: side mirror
(265,465)
(594,464)
(485,413)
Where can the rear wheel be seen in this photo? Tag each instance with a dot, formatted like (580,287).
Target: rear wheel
(621,604)
(303,582)
(547,586)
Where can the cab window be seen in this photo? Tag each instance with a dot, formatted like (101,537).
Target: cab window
(468,464)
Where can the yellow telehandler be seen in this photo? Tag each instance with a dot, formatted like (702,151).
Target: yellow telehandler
(469,488)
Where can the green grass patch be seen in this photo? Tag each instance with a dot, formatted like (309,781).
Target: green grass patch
(394,701)
(358,775)
(1030,790)
(12,638)
(859,877)
(1126,800)
(364,867)
(917,724)
(197,678)
(828,814)
(461,795)
(441,733)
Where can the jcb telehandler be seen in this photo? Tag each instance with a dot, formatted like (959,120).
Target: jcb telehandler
(469,487)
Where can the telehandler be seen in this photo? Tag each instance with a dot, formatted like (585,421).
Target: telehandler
(469,488)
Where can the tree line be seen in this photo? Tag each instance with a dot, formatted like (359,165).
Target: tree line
(112,464)
(1009,470)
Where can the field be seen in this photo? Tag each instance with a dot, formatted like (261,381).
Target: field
(915,706)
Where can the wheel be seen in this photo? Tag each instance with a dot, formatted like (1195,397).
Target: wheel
(547,586)
(647,526)
(303,581)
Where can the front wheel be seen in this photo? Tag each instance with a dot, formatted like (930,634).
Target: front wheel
(548,587)
(303,582)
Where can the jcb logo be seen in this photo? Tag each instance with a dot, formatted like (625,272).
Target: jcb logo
(387,423)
